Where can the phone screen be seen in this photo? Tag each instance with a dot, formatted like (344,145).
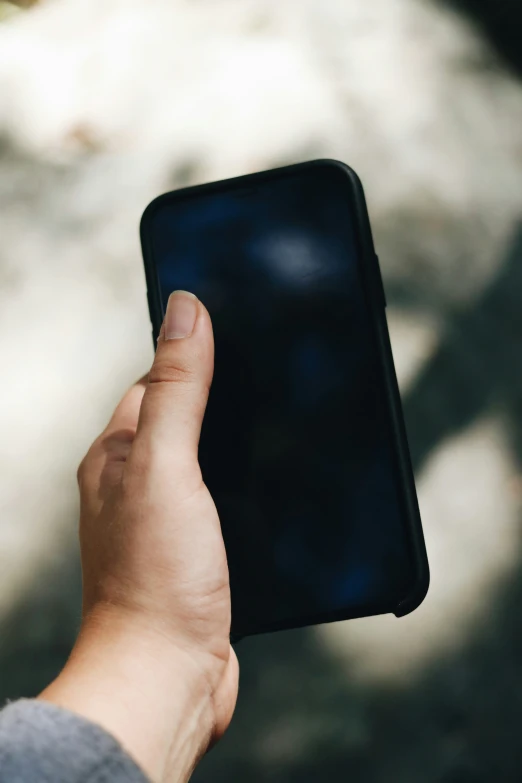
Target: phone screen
(296,447)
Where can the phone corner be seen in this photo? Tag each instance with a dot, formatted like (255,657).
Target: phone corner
(416,595)
(235,639)
(344,168)
(149,211)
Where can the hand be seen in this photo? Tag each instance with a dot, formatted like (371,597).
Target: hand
(153,662)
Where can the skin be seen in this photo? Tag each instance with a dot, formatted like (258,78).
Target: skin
(153,663)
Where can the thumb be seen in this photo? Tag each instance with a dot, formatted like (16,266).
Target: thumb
(175,399)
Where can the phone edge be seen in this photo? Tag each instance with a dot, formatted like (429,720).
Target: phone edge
(372,281)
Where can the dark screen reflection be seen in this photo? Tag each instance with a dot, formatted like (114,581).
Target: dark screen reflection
(294,447)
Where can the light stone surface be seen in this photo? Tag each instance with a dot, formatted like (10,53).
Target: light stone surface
(103,105)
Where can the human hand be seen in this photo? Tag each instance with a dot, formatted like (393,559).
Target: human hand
(153,662)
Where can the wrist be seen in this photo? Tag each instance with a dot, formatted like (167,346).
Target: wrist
(142,688)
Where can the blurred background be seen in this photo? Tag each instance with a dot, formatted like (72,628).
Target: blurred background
(103,105)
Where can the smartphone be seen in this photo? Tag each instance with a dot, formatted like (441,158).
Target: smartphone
(303,446)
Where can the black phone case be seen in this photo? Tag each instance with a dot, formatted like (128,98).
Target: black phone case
(376,300)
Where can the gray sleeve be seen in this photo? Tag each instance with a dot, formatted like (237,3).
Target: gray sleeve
(42,743)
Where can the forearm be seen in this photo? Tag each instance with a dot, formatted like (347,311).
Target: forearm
(137,685)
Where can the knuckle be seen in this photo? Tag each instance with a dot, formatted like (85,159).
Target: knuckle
(168,371)
(83,469)
(80,472)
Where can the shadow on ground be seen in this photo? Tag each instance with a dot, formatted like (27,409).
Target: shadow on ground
(500,21)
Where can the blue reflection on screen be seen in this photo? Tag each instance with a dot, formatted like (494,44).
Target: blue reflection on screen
(295,446)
